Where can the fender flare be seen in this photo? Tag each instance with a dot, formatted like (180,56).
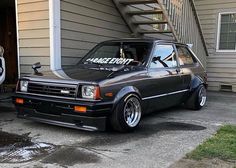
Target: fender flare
(195,82)
(125,91)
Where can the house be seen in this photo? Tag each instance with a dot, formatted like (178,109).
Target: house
(218,22)
(59,32)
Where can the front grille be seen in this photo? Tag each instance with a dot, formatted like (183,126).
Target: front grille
(53,89)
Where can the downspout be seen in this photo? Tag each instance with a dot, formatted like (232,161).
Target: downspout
(17,38)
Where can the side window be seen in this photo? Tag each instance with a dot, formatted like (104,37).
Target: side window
(163,56)
(184,56)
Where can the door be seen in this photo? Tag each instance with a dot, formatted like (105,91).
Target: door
(8,40)
(165,82)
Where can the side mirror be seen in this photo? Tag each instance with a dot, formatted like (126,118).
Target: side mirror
(36,66)
(157,58)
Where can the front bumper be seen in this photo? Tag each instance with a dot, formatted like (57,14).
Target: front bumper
(61,112)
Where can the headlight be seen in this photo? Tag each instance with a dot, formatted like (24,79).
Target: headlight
(90,92)
(24,86)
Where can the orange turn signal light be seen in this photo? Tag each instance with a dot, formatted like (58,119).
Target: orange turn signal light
(110,94)
(80,109)
(97,94)
(19,101)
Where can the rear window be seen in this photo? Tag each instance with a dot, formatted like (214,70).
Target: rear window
(185,57)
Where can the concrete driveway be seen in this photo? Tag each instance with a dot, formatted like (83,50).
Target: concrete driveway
(162,138)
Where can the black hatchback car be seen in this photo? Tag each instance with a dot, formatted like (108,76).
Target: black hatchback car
(115,84)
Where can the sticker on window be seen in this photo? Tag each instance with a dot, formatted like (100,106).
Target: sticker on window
(118,61)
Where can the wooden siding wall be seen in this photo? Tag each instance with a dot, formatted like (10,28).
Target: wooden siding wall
(34,42)
(86,23)
(221,66)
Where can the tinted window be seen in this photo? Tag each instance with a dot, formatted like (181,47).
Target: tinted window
(185,57)
(164,56)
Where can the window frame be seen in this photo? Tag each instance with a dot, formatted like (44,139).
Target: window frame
(152,54)
(218,33)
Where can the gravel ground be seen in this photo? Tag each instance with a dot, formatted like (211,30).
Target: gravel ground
(162,138)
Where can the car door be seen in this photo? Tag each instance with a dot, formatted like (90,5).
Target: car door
(164,86)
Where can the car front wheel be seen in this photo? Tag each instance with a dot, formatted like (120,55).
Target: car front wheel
(127,114)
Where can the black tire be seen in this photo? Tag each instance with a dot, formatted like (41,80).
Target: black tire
(197,99)
(123,112)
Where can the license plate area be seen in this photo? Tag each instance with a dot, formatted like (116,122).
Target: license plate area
(48,108)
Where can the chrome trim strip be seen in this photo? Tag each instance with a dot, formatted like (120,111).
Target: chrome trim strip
(59,97)
(166,94)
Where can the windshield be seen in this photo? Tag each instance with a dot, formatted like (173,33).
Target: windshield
(119,53)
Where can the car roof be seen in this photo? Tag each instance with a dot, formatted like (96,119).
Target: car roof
(145,39)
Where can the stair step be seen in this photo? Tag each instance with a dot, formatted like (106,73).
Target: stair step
(136,2)
(145,12)
(149,22)
(154,31)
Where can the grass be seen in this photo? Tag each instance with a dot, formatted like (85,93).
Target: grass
(222,146)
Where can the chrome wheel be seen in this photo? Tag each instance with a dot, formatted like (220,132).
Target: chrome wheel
(132,112)
(202,96)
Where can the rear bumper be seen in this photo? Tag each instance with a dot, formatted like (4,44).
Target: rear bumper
(61,112)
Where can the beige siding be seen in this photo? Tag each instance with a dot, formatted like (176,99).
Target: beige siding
(86,23)
(34,41)
(221,67)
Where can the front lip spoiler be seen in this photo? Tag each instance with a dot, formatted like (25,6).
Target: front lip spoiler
(62,124)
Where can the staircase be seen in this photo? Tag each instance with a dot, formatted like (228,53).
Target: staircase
(170,19)
(146,17)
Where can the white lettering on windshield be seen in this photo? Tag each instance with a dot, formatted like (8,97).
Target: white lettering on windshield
(118,61)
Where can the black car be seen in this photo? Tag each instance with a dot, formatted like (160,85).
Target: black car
(115,84)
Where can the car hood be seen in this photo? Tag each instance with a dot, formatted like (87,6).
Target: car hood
(76,75)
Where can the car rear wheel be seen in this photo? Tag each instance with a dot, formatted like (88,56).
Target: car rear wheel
(127,114)
(198,98)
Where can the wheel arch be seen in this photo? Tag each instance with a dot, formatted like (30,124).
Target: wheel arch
(124,92)
(196,82)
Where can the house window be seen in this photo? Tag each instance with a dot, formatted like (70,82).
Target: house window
(227,32)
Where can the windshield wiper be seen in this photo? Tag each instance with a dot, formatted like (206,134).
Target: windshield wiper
(118,69)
